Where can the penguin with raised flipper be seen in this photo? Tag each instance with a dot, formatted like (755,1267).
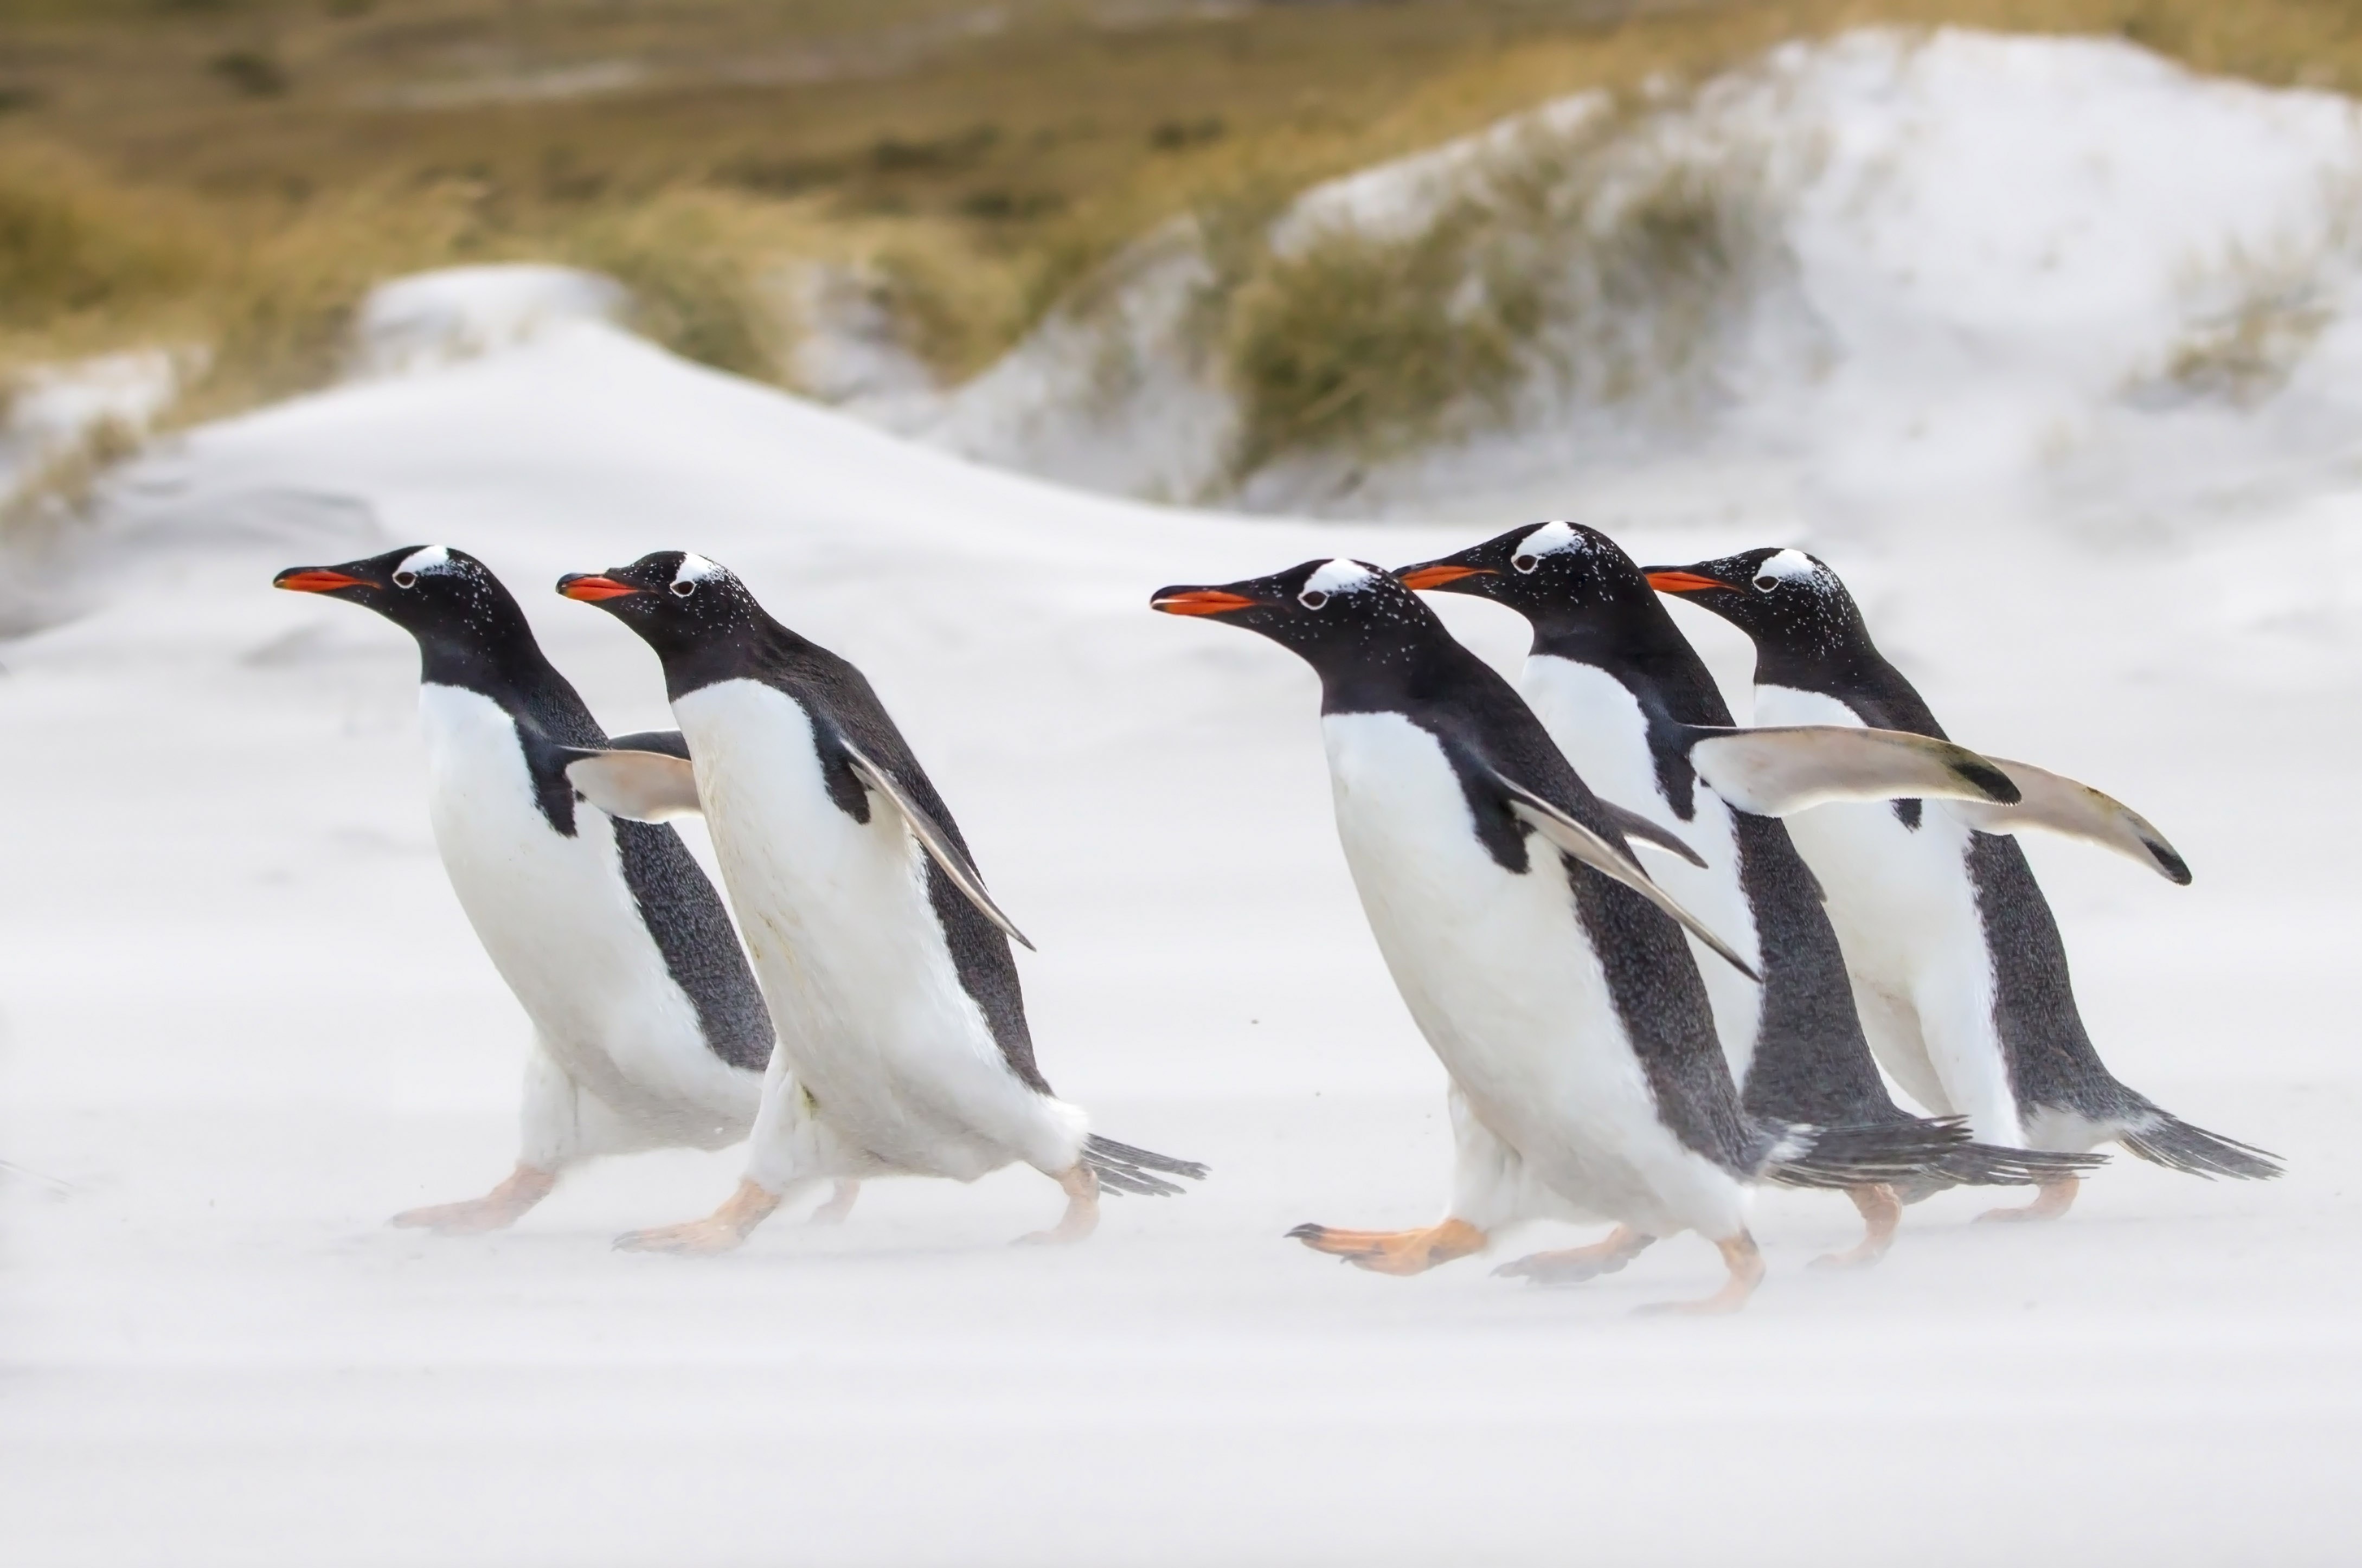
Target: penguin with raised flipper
(1545,968)
(903,1045)
(648,1030)
(1627,699)
(1958,966)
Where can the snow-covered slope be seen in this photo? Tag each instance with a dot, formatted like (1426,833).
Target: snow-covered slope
(1958,273)
(246,1021)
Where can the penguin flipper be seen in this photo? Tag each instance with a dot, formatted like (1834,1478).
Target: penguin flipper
(1775,771)
(639,786)
(2063,806)
(1635,827)
(672,743)
(1579,843)
(938,843)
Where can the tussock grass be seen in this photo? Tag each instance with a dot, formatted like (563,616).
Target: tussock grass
(1594,262)
(981,168)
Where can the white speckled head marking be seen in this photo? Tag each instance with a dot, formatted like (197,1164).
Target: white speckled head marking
(1547,540)
(1341,576)
(425,562)
(697,569)
(1787,566)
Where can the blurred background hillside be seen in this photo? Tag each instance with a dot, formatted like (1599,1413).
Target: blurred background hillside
(876,200)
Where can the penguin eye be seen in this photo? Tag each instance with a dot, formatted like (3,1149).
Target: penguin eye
(684,588)
(405,580)
(1766,583)
(1312,599)
(1526,563)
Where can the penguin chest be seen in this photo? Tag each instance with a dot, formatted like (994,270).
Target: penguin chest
(559,922)
(853,961)
(1903,907)
(1598,725)
(1497,970)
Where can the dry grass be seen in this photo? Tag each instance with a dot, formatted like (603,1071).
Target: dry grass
(239,171)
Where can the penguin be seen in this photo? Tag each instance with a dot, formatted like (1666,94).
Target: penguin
(903,1043)
(1958,969)
(648,1030)
(1545,969)
(1625,697)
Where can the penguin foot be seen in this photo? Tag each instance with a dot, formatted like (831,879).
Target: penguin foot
(1882,1211)
(840,1204)
(496,1210)
(1394,1252)
(1746,1263)
(719,1232)
(1575,1265)
(2051,1201)
(1081,1185)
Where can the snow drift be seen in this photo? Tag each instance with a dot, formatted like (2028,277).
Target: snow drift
(1953,271)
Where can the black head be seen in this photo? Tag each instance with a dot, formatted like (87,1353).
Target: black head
(1573,583)
(676,601)
(1790,603)
(446,599)
(1353,621)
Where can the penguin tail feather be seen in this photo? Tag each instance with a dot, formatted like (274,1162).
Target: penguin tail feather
(1990,1164)
(1864,1154)
(2174,1143)
(1122,1168)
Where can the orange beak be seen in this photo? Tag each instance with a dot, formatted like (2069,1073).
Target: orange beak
(1436,575)
(1685,582)
(1200,601)
(317,580)
(589,588)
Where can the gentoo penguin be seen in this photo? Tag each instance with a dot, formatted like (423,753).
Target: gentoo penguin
(884,963)
(1957,963)
(1533,953)
(648,1030)
(1626,697)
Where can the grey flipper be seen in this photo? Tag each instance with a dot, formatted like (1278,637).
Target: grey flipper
(936,842)
(1579,841)
(2061,805)
(1633,825)
(672,743)
(639,786)
(1775,771)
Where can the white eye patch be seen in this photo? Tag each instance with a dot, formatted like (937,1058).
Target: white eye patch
(1787,566)
(1549,539)
(697,569)
(425,562)
(1340,576)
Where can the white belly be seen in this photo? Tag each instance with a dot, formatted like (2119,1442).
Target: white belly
(560,924)
(1906,913)
(1501,978)
(1598,722)
(854,964)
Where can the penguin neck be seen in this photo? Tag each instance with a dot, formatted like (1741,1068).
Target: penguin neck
(750,646)
(510,669)
(1403,674)
(1642,650)
(1849,668)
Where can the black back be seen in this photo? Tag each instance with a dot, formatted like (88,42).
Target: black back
(707,628)
(1588,603)
(472,635)
(1809,636)
(1378,649)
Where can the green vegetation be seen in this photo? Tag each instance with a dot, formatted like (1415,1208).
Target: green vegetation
(235,174)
